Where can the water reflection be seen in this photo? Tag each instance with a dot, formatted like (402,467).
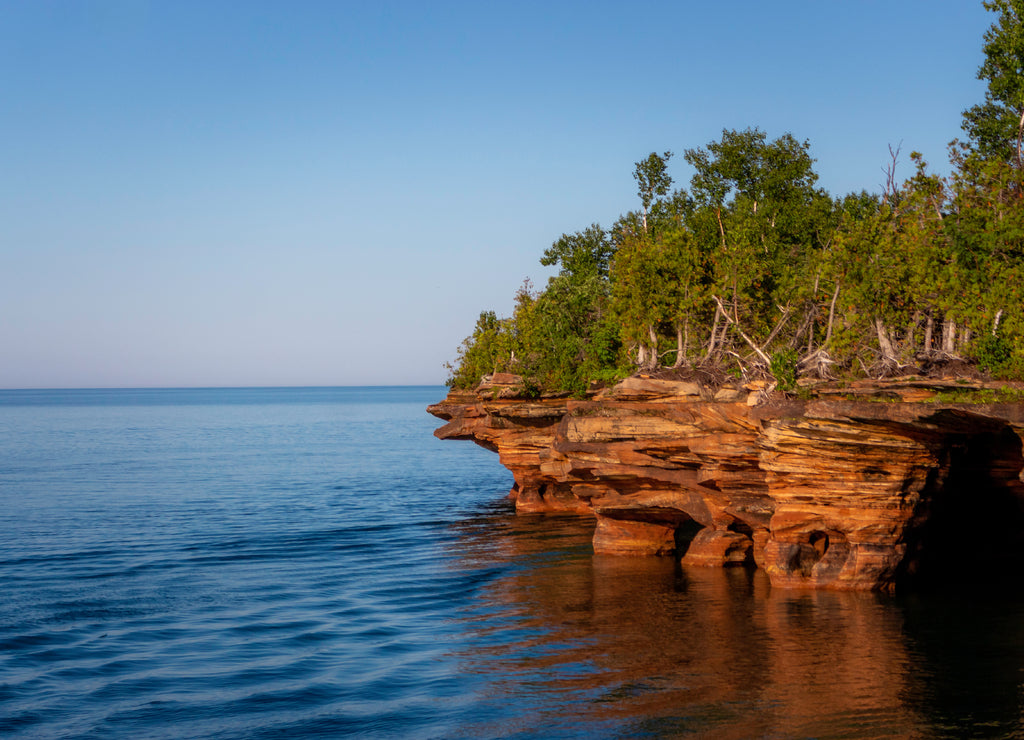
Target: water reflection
(968,651)
(567,643)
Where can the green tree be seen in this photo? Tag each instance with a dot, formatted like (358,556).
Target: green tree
(565,332)
(757,265)
(653,181)
(639,288)
(682,269)
(582,255)
(490,348)
(762,223)
(985,232)
(659,272)
(637,291)
(996,126)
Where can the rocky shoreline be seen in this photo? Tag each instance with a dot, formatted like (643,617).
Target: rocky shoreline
(861,487)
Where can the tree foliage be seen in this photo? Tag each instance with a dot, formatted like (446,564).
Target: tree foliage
(756,270)
(996,124)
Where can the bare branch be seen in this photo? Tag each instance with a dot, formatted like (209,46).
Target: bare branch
(889,189)
(786,312)
(831,313)
(748,340)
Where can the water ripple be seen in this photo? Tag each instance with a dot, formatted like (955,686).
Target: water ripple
(324,567)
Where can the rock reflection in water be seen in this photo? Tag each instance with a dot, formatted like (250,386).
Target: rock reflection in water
(567,642)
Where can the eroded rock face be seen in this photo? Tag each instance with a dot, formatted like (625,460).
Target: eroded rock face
(845,494)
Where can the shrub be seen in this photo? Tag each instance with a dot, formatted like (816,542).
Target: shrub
(783,369)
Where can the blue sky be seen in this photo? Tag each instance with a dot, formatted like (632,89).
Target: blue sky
(328,193)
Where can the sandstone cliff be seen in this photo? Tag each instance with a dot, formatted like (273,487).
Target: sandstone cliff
(851,488)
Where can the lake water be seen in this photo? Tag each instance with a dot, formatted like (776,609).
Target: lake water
(294,563)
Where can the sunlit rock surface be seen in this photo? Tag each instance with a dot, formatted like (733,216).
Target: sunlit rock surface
(857,488)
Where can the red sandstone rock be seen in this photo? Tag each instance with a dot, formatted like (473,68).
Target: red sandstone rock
(631,537)
(846,494)
(719,547)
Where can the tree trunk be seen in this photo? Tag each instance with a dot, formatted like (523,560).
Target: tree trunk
(652,349)
(909,342)
(885,341)
(831,314)
(965,337)
(949,336)
(810,340)
(929,329)
(714,333)
(1020,135)
(724,332)
(680,344)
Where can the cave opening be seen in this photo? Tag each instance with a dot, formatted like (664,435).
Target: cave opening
(969,527)
(823,554)
(684,535)
(819,542)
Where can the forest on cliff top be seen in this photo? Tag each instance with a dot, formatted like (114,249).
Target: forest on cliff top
(754,271)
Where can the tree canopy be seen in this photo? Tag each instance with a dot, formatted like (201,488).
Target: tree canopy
(756,271)
(996,124)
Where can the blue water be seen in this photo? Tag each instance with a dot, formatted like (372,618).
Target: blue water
(272,563)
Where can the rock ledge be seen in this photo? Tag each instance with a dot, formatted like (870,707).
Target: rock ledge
(859,487)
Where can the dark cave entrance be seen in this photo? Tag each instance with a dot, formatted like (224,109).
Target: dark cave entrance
(969,526)
(685,533)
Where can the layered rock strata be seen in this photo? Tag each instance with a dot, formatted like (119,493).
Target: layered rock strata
(855,488)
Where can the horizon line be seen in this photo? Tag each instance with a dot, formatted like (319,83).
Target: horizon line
(214,387)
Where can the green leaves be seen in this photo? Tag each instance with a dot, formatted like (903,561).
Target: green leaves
(745,164)
(582,255)
(783,368)
(995,125)
(490,348)
(757,267)
(761,224)
(653,180)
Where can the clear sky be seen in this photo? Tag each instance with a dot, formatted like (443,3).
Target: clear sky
(329,192)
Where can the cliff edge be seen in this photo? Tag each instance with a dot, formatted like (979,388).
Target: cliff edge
(858,487)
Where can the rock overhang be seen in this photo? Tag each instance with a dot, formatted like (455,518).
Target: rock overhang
(835,491)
